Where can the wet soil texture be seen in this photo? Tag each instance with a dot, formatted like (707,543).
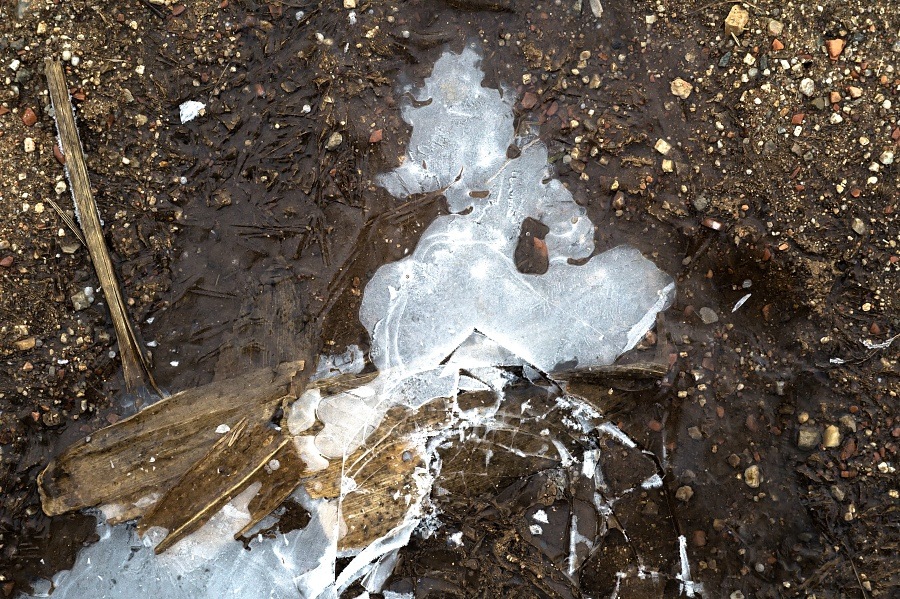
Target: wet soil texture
(754,160)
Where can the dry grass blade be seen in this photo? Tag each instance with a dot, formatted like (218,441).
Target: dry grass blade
(136,371)
(73,226)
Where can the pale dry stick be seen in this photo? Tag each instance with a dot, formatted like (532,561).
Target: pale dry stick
(135,369)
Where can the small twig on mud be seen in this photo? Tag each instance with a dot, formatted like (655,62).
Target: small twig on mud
(852,565)
(68,221)
(134,365)
(711,4)
(153,9)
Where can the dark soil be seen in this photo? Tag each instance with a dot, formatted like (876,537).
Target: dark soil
(228,231)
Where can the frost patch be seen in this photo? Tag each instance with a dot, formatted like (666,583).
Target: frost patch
(190,110)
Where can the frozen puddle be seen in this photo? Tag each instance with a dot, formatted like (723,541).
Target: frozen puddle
(463,342)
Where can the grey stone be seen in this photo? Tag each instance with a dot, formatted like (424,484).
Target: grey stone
(708,315)
(808,438)
(81,301)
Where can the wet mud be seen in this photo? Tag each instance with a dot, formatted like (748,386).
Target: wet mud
(244,261)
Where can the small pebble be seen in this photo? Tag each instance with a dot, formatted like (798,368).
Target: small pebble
(752,476)
(832,436)
(807,87)
(708,315)
(684,493)
(334,140)
(28,145)
(808,438)
(662,146)
(681,88)
(29,118)
(699,538)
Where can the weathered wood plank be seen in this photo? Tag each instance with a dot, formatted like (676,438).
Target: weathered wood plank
(145,455)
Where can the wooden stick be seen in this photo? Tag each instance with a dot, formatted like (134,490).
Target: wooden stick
(136,371)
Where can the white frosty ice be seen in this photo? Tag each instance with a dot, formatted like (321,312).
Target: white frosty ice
(444,319)
(190,110)
(462,276)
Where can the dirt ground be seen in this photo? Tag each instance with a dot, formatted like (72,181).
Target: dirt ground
(778,423)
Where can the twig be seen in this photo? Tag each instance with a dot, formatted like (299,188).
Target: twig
(135,369)
(68,221)
(153,9)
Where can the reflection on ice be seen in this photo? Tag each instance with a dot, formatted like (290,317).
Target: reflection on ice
(453,325)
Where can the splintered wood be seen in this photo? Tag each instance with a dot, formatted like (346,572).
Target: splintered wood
(178,462)
(128,464)
(134,367)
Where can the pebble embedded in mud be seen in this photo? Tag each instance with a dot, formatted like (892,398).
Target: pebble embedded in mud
(752,476)
(681,88)
(832,436)
(808,437)
(684,493)
(334,141)
(708,315)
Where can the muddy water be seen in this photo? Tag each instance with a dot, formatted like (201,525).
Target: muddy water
(268,220)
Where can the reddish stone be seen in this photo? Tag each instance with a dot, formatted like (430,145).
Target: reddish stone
(29,117)
(376,136)
(849,449)
(58,154)
(3,110)
(798,118)
(6,262)
(777,45)
(835,47)
(699,538)
(177,9)
(654,425)
(529,101)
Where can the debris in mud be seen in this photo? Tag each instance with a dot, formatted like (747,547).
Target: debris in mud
(454,326)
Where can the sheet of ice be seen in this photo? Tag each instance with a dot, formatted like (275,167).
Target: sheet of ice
(451,316)
(462,276)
